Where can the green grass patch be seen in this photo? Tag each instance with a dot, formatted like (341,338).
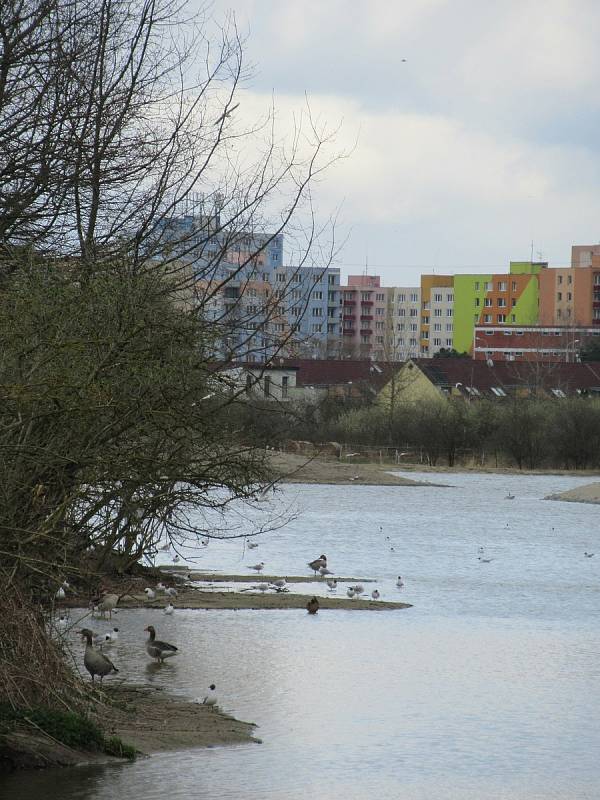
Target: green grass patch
(74,730)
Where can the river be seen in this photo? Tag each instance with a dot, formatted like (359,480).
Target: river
(487,688)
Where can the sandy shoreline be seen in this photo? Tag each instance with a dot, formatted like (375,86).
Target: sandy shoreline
(590,493)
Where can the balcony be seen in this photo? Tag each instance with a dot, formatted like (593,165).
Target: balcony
(366,302)
(368,331)
(349,317)
(596,304)
(349,302)
(365,318)
(350,331)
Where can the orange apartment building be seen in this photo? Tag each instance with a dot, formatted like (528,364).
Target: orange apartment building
(571,295)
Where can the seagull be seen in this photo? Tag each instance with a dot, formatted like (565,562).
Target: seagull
(211,698)
(252,545)
(169,608)
(400,582)
(324,571)
(279,583)
(350,592)
(225,115)
(358,588)
(312,606)
(112,636)
(171,592)
(485,560)
(258,567)
(319,562)
(158,649)
(160,587)
(175,558)
(375,594)
(263,587)
(588,555)
(150,593)
(60,594)
(509,496)
(63,623)
(332,583)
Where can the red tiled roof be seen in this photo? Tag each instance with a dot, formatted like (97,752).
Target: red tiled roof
(327,372)
(510,375)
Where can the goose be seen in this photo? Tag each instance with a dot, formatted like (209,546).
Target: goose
(158,649)
(350,592)
(375,594)
(169,608)
(258,567)
(150,593)
(332,583)
(107,603)
(171,592)
(323,571)
(211,698)
(312,606)
(588,555)
(400,582)
(319,562)
(94,661)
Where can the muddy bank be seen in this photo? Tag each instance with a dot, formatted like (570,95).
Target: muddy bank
(590,493)
(152,721)
(144,717)
(292,468)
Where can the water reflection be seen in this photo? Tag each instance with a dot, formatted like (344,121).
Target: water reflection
(487,688)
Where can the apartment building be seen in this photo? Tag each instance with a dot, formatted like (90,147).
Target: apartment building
(403,322)
(437,314)
(364,317)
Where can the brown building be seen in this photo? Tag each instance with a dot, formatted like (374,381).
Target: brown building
(571,295)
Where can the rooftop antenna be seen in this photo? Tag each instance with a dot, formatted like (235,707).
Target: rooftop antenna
(531,258)
(367,263)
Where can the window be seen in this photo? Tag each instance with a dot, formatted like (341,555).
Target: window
(379,312)
(437,342)
(364,340)
(280,277)
(379,339)
(487,302)
(559,296)
(413,342)
(437,327)
(513,302)
(448,342)
(267,386)
(401,298)
(477,302)
(437,312)
(518,333)
(501,317)
(502,286)
(365,296)
(317,312)
(560,278)
(508,333)
(498,391)
(437,298)
(513,317)
(400,326)
(487,317)
(449,327)
(569,296)
(570,279)
(413,312)
(488,286)
(414,298)
(425,320)
(317,295)
(449,312)
(379,326)
(317,327)
(476,286)
(414,326)
(425,335)
(380,298)
(513,286)
(284,386)
(295,311)
(331,280)
(401,312)
(450,298)
(501,302)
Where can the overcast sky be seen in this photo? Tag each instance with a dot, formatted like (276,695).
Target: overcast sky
(485,138)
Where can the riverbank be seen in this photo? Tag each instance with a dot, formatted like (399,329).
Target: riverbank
(293,468)
(590,493)
(143,717)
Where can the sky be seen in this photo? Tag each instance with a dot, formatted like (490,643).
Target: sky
(470,128)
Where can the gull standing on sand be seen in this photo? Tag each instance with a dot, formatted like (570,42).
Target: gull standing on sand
(323,571)
(332,583)
(211,698)
(169,608)
(350,592)
(400,582)
(258,567)
(375,594)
